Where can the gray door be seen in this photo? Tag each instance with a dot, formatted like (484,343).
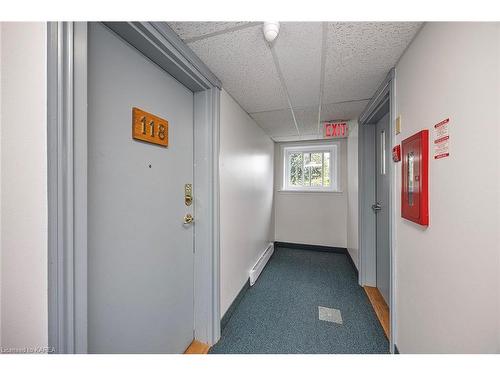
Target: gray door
(140,254)
(383,154)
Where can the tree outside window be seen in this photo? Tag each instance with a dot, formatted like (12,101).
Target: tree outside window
(309,169)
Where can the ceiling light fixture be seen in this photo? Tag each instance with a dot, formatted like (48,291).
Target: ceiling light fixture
(271,30)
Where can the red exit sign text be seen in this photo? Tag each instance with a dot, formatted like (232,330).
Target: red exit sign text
(335,129)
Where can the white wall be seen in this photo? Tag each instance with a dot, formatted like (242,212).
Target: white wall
(246,196)
(23,185)
(0,184)
(498,173)
(352,192)
(323,214)
(447,275)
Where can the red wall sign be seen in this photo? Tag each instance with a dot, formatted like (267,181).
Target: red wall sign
(415,178)
(335,129)
(396,153)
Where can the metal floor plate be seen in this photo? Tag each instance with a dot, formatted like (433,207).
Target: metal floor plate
(329,314)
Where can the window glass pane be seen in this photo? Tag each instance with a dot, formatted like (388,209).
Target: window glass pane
(310,170)
(326,169)
(316,169)
(411,183)
(295,169)
(307,169)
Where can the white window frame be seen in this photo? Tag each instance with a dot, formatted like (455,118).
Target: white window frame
(332,148)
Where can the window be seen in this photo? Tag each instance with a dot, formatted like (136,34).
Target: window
(310,168)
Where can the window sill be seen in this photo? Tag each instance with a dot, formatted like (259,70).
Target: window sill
(310,191)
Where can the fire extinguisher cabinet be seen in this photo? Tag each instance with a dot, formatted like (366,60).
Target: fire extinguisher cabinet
(415,178)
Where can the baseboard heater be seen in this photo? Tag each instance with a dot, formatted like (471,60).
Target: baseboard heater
(261,263)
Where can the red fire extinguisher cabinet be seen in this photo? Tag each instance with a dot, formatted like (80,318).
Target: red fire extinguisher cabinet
(415,178)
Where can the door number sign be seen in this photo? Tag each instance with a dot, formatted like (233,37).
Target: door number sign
(147,127)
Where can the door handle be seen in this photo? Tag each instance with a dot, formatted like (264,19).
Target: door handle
(188,219)
(376,207)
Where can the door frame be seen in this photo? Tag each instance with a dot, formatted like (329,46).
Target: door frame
(67,174)
(366,169)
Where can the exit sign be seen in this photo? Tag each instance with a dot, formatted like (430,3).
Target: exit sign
(335,130)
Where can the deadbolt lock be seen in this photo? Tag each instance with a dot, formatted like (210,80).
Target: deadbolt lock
(188,194)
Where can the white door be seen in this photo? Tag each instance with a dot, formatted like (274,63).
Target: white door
(140,252)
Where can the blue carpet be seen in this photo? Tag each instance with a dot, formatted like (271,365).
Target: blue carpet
(279,314)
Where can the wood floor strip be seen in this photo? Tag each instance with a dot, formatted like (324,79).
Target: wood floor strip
(197,347)
(380,307)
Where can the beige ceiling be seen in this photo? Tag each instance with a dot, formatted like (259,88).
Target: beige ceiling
(340,64)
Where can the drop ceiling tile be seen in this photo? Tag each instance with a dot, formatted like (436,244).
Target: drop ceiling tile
(360,54)
(189,30)
(342,111)
(298,48)
(243,62)
(294,138)
(307,119)
(280,123)
(276,123)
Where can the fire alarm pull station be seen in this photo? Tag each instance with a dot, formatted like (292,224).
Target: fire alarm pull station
(415,178)
(396,153)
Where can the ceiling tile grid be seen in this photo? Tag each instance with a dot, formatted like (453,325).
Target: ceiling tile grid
(276,123)
(298,48)
(358,56)
(242,61)
(192,30)
(307,119)
(343,110)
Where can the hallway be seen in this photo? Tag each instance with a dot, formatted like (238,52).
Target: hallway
(279,314)
(250,187)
